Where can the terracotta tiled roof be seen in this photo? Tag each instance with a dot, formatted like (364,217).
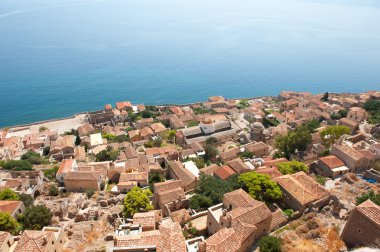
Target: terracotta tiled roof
(239,198)
(3,237)
(65,166)
(167,185)
(176,110)
(224,172)
(171,195)
(181,216)
(122,105)
(238,166)
(34,241)
(181,173)
(243,230)
(230,154)
(144,239)
(7,206)
(332,161)
(146,220)
(146,131)
(302,187)
(133,176)
(225,240)
(273,172)
(352,153)
(171,238)
(158,127)
(82,175)
(370,210)
(278,219)
(209,170)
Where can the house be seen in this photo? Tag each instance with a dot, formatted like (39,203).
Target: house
(80,181)
(108,107)
(146,133)
(65,167)
(147,220)
(223,172)
(23,182)
(301,191)
(125,105)
(239,215)
(158,128)
(272,172)
(209,170)
(169,196)
(11,207)
(375,149)
(357,114)
(238,166)
(362,228)
(86,130)
(63,147)
(353,125)
(289,104)
(179,172)
(128,180)
(134,135)
(96,140)
(253,114)
(176,110)
(258,149)
(331,166)
(49,239)
(144,122)
(171,237)
(352,158)
(136,241)
(6,241)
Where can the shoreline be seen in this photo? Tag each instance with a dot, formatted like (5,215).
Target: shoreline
(20,127)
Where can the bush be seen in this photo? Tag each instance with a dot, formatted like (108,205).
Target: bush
(53,191)
(35,217)
(42,128)
(17,165)
(50,173)
(107,155)
(26,199)
(90,193)
(375,198)
(270,244)
(34,158)
(211,140)
(199,201)
(9,224)
(289,212)
(320,179)
(46,150)
(155,177)
(8,194)
(292,167)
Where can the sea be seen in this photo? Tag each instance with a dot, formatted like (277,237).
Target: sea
(60,57)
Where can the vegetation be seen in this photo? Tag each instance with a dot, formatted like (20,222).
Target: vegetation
(199,201)
(9,224)
(77,140)
(34,158)
(50,173)
(42,128)
(295,140)
(46,150)
(246,154)
(373,108)
(325,97)
(210,153)
(332,133)
(292,167)
(341,114)
(90,193)
(376,165)
(8,194)
(192,123)
(260,186)
(35,217)
(211,140)
(107,155)
(17,165)
(270,244)
(213,189)
(108,136)
(53,190)
(199,162)
(243,103)
(289,212)
(155,177)
(320,179)
(202,110)
(170,135)
(137,200)
(26,199)
(374,197)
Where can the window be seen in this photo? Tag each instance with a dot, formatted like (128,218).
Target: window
(209,223)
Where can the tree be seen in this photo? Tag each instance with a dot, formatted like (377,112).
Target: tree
(246,154)
(42,128)
(170,135)
(50,173)
(46,150)
(8,194)
(270,244)
(90,193)
(325,97)
(210,153)
(199,201)
(17,165)
(35,217)
(330,134)
(292,167)
(374,197)
(260,186)
(297,139)
(77,140)
(147,114)
(9,224)
(243,103)
(26,199)
(214,188)
(155,177)
(108,154)
(312,125)
(192,123)
(211,140)
(373,108)
(53,191)
(136,200)
(33,157)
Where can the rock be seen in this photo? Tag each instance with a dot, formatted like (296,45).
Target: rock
(343,214)
(81,217)
(109,237)
(72,211)
(103,203)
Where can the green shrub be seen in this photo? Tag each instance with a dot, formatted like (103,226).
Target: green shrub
(270,244)
(53,191)
(90,193)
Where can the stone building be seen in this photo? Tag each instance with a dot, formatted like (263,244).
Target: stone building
(363,226)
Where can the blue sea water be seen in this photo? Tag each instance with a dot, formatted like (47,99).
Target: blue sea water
(59,57)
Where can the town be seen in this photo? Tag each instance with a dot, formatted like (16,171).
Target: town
(293,172)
